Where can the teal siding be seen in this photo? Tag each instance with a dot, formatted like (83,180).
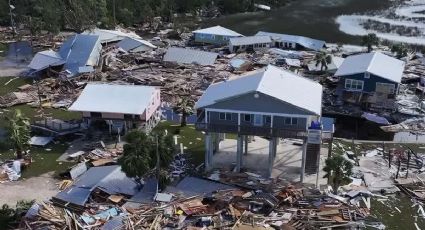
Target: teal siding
(369,85)
(211,39)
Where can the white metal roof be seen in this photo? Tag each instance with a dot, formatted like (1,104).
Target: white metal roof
(108,98)
(111,35)
(189,56)
(273,81)
(307,42)
(375,63)
(218,30)
(249,40)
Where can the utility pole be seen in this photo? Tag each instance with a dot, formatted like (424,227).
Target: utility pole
(12,23)
(113,12)
(157,158)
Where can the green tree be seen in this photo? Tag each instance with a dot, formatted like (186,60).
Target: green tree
(141,151)
(184,107)
(338,170)
(400,49)
(19,131)
(369,41)
(323,59)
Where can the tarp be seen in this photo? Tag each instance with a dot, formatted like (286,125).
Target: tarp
(375,118)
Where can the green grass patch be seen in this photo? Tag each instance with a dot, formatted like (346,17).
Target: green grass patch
(12,85)
(44,159)
(192,139)
(3,50)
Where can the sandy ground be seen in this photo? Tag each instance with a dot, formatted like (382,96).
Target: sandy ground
(36,188)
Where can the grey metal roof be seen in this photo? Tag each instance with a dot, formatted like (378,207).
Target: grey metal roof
(281,84)
(107,178)
(45,59)
(375,63)
(238,41)
(191,186)
(111,35)
(80,50)
(189,56)
(306,42)
(145,195)
(108,98)
(129,44)
(218,30)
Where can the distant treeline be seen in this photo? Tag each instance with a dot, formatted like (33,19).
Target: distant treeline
(78,15)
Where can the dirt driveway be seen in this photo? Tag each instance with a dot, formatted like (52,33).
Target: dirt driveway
(36,188)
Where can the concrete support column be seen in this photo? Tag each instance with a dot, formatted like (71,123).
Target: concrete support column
(239,150)
(303,159)
(246,144)
(272,154)
(208,151)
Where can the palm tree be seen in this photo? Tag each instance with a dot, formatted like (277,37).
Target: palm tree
(323,59)
(338,170)
(143,153)
(400,49)
(19,130)
(370,40)
(185,108)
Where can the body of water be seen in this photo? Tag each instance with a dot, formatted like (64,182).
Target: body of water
(312,18)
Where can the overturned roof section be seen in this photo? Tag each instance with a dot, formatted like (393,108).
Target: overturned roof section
(307,42)
(273,81)
(218,30)
(135,45)
(79,51)
(193,186)
(238,41)
(106,98)
(45,59)
(189,56)
(110,179)
(374,63)
(111,35)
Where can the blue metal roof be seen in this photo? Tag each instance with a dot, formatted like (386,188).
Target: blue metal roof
(192,186)
(80,50)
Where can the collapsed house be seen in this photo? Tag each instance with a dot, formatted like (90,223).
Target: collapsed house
(250,43)
(79,54)
(295,42)
(105,180)
(189,56)
(122,107)
(271,102)
(370,80)
(216,35)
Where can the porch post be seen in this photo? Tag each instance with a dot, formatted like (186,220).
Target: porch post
(303,160)
(239,153)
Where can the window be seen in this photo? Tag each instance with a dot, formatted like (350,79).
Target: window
(247,117)
(225,116)
(258,119)
(367,75)
(386,88)
(291,121)
(268,119)
(354,85)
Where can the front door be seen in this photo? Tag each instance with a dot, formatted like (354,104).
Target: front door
(258,120)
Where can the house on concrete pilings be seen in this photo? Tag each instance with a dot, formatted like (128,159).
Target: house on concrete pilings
(250,43)
(370,80)
(271,102)
(216,35)
(122,107)
(295,42)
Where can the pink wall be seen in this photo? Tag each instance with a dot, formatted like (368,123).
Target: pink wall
(154,105)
